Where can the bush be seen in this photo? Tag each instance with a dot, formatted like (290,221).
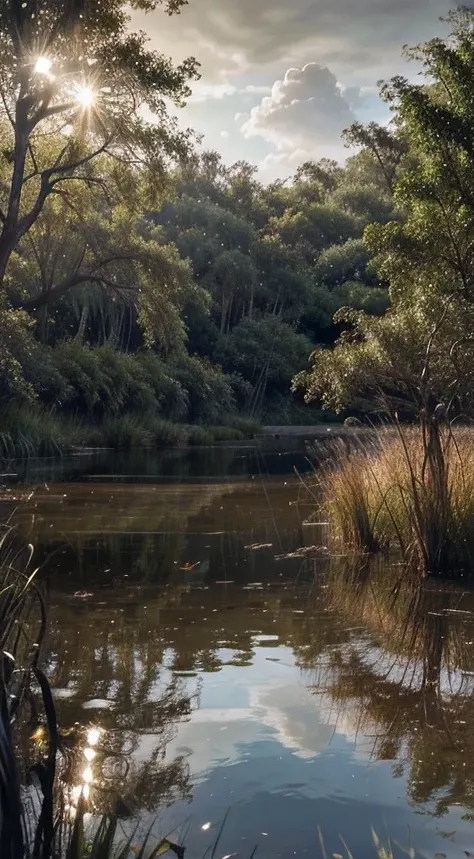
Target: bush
(248,427)
(102,381)
(171,398)
(209,391)
(127,431)
(199,436)
(166,434)
(126,382)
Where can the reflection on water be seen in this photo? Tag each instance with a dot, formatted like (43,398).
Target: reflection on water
(212,669)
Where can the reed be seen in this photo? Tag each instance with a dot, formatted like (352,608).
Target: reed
(409,490)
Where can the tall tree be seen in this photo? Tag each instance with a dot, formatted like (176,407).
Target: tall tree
(74,65)
(424,347)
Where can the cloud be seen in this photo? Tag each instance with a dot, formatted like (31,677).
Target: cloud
(232,36)
(257,90)
(206,92)
(245,45)
(305,113)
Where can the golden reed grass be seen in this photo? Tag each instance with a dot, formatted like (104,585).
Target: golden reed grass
(409,490)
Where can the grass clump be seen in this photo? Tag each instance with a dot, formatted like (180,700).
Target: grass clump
(128,431)
(249,427)
(26,432)
(410,490)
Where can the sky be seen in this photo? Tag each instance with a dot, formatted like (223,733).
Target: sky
(280,79)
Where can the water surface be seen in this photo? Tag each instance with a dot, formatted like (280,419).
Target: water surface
(227,672)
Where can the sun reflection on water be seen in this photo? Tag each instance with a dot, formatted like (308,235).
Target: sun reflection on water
(82,790)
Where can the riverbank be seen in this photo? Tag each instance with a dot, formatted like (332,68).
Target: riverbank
(39,432)
(312,432)
(34,432)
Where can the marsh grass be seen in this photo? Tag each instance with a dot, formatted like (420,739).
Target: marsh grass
(409,490)
(26,433)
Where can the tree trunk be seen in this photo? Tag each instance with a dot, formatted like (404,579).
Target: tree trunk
(9,234)
(43,323)
(79,338)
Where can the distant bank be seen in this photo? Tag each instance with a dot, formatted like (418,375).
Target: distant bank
(309,432)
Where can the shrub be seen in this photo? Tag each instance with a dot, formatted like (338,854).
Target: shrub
(123,432)
(172,399)
(127,382)
(199,436)
(166,434)
(127,431)
(89,390)
(209,391)
(249,427)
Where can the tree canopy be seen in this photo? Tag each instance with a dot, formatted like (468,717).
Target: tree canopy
(421,350)
(73,73)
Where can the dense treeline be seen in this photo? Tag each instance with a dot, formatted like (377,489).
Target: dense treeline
(199,311)
(143,283)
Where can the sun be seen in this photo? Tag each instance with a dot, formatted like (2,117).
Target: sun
(84,95)
(43,66)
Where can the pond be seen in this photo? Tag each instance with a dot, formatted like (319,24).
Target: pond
(206,667)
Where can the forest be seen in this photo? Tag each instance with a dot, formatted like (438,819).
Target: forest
(150,293)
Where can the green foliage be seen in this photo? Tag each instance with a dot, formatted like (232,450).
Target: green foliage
(209,391)
(111,312)
(129,431)
(420,352)
(28,432)
(339,263)
(87,49)
(265,346)
(171,398)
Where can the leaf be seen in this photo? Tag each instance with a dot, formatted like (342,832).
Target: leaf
(163,847)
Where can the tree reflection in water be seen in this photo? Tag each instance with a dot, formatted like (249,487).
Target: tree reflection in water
(387,662)
(406,680)
(108,669)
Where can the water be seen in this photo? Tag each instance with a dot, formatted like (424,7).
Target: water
(226,672)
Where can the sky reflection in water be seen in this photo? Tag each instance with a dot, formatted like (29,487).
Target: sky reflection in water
(294,706)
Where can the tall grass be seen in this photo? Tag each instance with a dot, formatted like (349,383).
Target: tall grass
(27,432)
(409,490)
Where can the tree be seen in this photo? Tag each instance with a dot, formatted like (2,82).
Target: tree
(386,148)
(266,352)
(75,65)
(88,262)
(423,349)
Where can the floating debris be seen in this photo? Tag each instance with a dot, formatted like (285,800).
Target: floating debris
(254,547)
(304,552)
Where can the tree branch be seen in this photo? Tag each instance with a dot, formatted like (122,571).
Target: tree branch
(76,279)
(47,186)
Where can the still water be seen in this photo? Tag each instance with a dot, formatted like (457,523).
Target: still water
(211,667)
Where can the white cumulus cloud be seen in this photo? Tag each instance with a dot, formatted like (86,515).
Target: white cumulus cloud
(305,111)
